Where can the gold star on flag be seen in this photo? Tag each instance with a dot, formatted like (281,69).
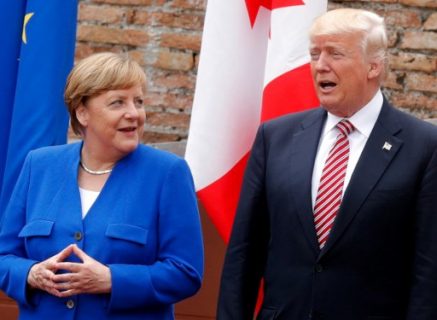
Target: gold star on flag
(26,20)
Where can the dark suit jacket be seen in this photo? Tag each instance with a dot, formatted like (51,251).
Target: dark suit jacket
(380,261)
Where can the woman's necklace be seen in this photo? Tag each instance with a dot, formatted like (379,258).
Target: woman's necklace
(94,172)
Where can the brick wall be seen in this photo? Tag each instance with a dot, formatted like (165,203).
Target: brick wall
(164,36)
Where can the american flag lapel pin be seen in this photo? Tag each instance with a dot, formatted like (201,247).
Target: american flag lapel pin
(387,146)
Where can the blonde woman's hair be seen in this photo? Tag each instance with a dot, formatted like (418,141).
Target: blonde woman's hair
(96,74)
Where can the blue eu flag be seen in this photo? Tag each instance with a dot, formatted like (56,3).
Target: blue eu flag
(37,52)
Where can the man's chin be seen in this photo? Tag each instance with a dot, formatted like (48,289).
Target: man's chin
(328,102)
(335,108)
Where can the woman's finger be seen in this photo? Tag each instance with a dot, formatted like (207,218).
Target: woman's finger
(68,293)
(63,254)
(62,286)
(73,267)
(80,253)
(63,277)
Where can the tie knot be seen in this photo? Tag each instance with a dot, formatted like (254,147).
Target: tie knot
(345,127)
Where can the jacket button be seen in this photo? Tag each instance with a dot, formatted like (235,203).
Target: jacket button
(319,267)
(70,304)
(78,236)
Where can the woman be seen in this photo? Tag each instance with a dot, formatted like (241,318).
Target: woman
(105,228)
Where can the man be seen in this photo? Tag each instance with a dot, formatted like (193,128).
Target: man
(339,220)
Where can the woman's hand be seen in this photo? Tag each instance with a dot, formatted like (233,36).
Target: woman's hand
(90,276)
(41,274)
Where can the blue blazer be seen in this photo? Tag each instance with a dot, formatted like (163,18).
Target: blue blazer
(380,260)
(144,226)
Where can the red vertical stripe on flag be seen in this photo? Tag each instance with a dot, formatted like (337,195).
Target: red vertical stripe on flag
(220,198)
(292,91)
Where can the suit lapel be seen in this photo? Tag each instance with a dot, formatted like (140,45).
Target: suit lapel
(69,190)
(65,205)
(303,151)
(380,149)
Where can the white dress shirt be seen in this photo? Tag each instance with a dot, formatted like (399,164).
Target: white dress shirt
(364,120)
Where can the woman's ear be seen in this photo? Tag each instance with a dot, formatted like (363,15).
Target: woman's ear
(82,115)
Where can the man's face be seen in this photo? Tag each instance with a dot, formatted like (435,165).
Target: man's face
(341,73)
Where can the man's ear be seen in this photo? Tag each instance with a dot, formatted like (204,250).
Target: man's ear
(376,69)
(82,115)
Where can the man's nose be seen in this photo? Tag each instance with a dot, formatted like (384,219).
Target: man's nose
(321,64)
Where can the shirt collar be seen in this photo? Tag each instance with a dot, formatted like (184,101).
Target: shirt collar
(363,120)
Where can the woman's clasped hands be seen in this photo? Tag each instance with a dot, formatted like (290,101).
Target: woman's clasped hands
(87,276)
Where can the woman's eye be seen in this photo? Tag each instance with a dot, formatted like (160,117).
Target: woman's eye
(139,103)
(116,103)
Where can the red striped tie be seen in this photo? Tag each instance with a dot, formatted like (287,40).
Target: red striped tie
(330,190)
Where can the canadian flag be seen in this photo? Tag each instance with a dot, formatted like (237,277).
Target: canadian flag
(254,66)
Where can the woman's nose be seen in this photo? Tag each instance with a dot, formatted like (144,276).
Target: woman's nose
(132,111)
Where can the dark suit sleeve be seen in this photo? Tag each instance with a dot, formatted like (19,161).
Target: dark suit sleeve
(423,299)
(247,250)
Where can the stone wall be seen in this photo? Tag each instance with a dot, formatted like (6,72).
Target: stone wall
(164,36)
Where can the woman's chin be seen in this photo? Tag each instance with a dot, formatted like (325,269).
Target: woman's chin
(127,147)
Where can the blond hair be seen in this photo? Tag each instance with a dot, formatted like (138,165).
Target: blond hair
(96,74)
(369,25)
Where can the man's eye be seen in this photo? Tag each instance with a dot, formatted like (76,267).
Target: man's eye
(314,56)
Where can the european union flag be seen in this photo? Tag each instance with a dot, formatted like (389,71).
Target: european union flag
(37,52)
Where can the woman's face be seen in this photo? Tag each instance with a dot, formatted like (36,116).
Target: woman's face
(113,121)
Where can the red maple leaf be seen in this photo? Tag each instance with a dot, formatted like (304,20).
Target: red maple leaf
(254,5)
